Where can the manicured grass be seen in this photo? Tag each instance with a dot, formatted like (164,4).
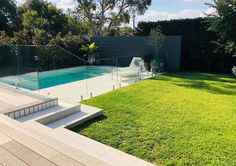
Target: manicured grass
(174,119)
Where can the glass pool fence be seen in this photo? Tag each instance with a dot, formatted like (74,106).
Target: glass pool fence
(41,67)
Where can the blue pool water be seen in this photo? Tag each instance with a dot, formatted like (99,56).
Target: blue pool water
(56,77)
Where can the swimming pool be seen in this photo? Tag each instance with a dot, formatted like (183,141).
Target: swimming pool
(56,77)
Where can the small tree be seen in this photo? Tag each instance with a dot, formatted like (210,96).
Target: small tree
(156,39)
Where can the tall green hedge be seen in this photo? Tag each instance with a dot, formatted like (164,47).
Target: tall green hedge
(199,51)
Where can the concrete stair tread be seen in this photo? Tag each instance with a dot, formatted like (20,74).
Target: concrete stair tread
(37,126)
(49,142)
(85,114)
(38,115)
(30,108)
(48,112)
(58,115)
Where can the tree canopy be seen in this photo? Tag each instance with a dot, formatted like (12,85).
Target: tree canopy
(8,15)
(223,22)
(104,15)
(35,12)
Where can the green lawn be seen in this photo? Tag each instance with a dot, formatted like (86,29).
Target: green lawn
(174,119)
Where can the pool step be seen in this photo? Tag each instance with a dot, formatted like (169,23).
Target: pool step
(32,108)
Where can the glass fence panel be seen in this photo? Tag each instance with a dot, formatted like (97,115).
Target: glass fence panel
(57,67)
(18,67)
(9,68)
(28,71)
(99,74)
(61,72)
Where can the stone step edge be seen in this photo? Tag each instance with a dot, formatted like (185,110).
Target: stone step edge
(32,108)
(58,115)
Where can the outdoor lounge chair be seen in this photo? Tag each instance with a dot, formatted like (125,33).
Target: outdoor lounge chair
(133,71)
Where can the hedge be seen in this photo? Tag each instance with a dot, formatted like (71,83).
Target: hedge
(199,51)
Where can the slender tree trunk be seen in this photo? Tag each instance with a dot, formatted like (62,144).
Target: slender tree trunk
(156,54)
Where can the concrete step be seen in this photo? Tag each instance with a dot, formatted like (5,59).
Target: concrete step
(38,115)
(61,114)
(37,126)
(52,114)
(78,118)
(43,143)
(31,108)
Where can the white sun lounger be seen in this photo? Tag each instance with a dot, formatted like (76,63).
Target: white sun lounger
(135,68)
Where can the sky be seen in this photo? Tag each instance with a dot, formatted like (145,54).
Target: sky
(160,9)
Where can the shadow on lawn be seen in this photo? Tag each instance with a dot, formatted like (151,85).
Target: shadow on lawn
(217,84)
(79,128)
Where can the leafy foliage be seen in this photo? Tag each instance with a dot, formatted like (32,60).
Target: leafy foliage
(53,20)
(90,48)
(70,42)
(109,12)
(42,23)
(4,38)
(90,51)
(223,22)
(32,21)
(8,16)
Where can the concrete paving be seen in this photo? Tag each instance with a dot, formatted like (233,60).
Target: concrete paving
(72,92)
(10,100)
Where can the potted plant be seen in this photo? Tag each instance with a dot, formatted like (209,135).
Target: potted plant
(234,71)
(147,60)
(154,66)
(161,65)
(90,51)
(157,66)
